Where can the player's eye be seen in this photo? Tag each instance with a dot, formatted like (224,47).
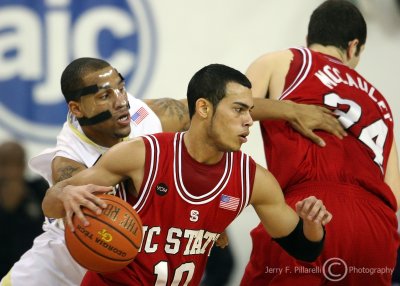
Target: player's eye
(103,96)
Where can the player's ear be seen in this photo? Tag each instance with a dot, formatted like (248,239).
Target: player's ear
(203,107)
(352,49)
(75,109)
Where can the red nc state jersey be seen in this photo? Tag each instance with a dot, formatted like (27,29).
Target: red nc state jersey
(361,157)
(183,217)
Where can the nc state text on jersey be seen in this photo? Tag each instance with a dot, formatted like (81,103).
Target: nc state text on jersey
(176,240)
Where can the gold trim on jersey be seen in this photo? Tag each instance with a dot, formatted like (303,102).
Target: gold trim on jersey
(6,281)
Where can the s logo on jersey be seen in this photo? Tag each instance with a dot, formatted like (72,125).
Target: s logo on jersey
(39,38)
(194,215)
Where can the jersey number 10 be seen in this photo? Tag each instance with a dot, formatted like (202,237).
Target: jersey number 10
(161,271)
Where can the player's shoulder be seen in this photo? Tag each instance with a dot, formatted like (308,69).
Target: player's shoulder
(128,147)
(164,136)
(156,138)
(269,62)
(274,56)
(243,158)
(137,104)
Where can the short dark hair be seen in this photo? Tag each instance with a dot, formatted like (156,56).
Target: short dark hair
(336,23)
(210,83)
(72,76)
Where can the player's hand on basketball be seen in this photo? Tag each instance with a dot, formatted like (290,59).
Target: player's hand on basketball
(307,118)
(313,210)
(222,240)
(75,197)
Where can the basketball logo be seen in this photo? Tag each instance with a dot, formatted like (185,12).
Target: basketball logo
(105,236)
(38,39)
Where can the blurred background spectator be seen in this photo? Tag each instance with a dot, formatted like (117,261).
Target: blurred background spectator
(21,215)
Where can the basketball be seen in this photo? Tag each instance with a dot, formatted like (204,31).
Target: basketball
(111,240)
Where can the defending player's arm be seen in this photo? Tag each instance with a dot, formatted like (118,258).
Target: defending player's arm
(301,234)
(392,176)
(267,75)
(124,160)
(64,168)
(173,114)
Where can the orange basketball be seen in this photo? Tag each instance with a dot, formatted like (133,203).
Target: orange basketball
(112,239)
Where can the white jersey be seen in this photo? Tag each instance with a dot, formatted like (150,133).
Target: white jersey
(48,262)
(73,144)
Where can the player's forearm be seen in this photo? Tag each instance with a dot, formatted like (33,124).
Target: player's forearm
(52,204)
(268,109)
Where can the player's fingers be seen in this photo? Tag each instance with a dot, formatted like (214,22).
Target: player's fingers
(326,110)
(315,209)
(333,125)
(91,206)
(222,240)
(299,206)
(320,214)
(327,218)
(68,219)
(329,122)
(306,207)
(316,139)
(222,243)
(79,214)
(307,132)
(95,188)
(96,201)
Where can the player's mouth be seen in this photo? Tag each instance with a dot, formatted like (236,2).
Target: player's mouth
(243,137)
(124,119)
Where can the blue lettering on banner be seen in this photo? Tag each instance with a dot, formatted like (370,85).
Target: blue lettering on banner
(38,38)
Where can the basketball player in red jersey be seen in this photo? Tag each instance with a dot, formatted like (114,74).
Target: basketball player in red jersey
(357,177)
(191,186)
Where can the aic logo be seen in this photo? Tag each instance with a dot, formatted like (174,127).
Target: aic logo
(39,38)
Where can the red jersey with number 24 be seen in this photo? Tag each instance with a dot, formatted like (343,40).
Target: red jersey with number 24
(361,157)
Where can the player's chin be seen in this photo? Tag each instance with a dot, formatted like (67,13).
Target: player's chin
(234,147)
(123,132)
(240,143)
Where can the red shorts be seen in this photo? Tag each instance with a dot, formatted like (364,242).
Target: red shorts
(360,245)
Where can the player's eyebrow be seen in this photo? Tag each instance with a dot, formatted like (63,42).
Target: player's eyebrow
(244,105)
(107,84)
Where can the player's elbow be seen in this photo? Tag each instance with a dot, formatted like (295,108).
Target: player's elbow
(51,208)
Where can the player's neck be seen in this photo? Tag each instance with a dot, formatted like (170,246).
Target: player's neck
(200,150)
(104,141)
(330,51)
